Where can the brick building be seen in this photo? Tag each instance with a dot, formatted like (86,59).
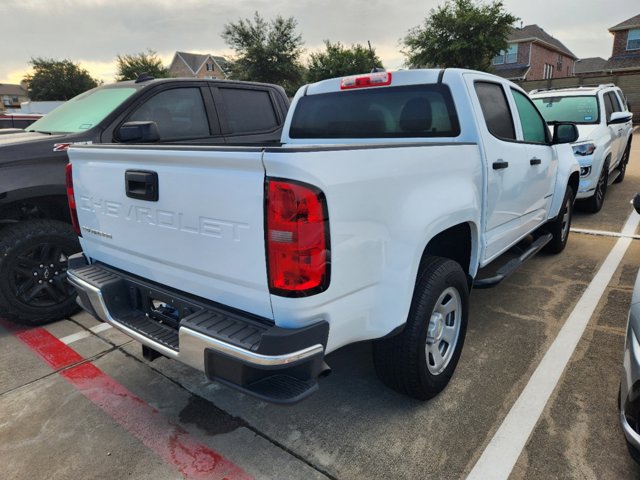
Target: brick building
(12,95)
(625,56)
(533,54)
(198,66)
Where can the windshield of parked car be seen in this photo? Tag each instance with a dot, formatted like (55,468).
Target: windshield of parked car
(82,112)
(576,109)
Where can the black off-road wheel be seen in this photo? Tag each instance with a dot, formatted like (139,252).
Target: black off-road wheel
(420,360)
(33,271)
(594,203)
(560,227)
(622,166)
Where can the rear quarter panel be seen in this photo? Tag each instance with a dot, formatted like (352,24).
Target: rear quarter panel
(385,203)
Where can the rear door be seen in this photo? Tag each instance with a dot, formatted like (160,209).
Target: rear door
(189,219)
(508,196)
(542,160)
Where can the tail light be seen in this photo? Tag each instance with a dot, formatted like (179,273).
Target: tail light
(298,251)
(72,201)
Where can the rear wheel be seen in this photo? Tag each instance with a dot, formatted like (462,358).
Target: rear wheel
(560,227)
(33,271)
(420,360)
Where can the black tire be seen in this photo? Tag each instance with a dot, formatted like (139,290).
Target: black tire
(402,361)
(594,203)
(32,291)
(633,452)
(622,166)
(560,226)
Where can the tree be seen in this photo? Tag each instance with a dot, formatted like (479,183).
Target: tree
(266,51)
(459,34)
(339,61)
(131,67)
(57,79)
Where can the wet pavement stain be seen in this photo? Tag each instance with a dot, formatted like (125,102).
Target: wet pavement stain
(206,416)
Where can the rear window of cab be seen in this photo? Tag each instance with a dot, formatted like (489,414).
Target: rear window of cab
(386,112)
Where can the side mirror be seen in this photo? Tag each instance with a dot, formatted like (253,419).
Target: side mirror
(141,132)
(636,202)
(564,133)
(619,117)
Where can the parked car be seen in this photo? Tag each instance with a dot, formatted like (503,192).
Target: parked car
(36,237)
(371,222)
(629,394)
(604,122)
(18,120)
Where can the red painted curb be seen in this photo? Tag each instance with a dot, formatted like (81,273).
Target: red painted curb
(169,441)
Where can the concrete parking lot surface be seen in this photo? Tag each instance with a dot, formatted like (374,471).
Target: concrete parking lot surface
(77,400)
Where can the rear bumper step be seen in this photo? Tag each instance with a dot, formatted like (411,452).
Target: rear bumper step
(241,350)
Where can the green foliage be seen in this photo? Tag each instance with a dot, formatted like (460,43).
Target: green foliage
(459,34)
(339,61)
(266,51)
(132,66)
(57,79)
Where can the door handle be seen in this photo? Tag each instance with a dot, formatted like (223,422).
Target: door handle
(535,161)
(500,164)
(141,184)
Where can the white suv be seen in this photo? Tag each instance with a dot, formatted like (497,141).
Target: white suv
(603,119)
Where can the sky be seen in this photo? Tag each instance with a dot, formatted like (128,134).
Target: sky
(93,32)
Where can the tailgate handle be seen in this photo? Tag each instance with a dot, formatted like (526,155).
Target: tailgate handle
(141,184)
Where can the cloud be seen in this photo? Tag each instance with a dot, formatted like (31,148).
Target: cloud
(95,31)
(14,76)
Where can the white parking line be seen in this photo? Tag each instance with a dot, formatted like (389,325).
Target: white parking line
(504,449)
(85,333)
(101,328)
(604,233)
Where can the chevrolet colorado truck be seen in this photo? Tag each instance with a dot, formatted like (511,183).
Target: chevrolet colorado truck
(391,196)
(36,237)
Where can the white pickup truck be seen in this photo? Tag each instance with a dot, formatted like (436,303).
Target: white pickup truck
(372,220)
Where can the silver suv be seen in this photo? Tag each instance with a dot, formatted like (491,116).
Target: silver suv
(604,122)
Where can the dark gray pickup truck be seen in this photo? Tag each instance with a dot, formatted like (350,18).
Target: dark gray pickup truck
(36,236)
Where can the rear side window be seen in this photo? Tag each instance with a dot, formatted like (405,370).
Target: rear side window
(396,112)
(248,111)
(495,110)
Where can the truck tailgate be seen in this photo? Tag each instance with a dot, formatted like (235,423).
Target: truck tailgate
(204,234)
